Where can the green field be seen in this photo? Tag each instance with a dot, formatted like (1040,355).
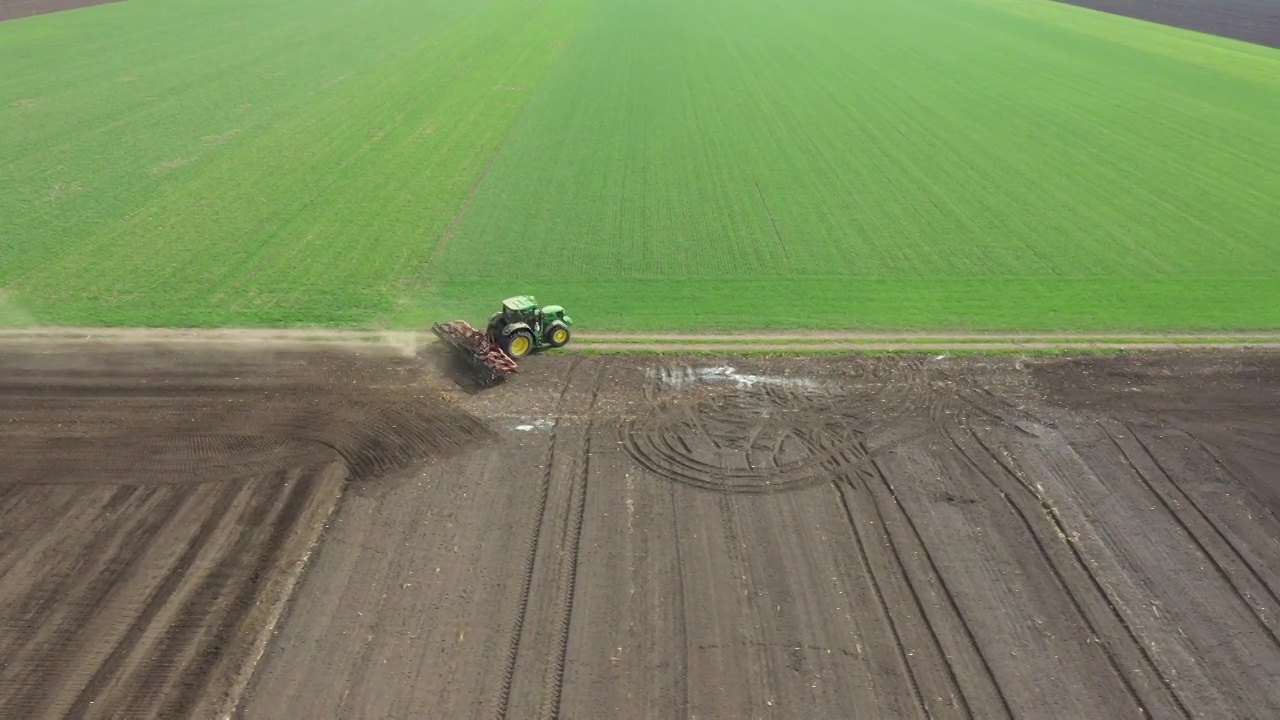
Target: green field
(939,165)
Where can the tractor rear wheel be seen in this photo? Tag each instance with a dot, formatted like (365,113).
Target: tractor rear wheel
(519,343)
(558,335)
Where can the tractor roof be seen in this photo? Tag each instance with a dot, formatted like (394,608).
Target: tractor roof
(520,303)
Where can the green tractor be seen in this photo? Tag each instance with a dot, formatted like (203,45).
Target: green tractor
(523,327)
(520,328)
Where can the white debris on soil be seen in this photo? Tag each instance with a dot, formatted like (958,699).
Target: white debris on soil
(536,425)
(685,376)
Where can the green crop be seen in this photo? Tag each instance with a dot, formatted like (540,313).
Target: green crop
(248,163)
(924,165)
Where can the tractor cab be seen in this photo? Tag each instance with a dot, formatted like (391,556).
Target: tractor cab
(522,326)
(521,308)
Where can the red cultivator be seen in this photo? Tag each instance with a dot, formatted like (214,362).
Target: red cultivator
(478,349)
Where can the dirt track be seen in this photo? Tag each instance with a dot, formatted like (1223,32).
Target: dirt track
(643,537)
(411,342)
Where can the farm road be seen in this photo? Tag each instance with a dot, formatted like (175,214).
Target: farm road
(411,343)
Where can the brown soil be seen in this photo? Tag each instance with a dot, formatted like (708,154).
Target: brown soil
(819,538)
(11,9)
(641,537)
(155,506)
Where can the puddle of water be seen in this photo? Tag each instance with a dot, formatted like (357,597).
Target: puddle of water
(536,425)
(683,377)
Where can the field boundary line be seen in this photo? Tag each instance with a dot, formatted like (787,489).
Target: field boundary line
(410,342)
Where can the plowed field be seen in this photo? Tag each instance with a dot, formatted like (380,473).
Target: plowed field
(627,537)
(11,9)
(1254,21)
(155,507)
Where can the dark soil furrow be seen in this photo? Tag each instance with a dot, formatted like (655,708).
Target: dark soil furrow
(531,558)
(66,607)
(1067,590)
(946,593)
(1219,538)
(244,569)
(198,584)
(577,516)
(107,674)
(957,691)
(1085,566)
(59,581)
(885,612)
(681,669)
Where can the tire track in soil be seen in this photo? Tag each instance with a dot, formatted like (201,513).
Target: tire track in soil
(726,427)
(758,676)
(878,476)
(1168,696)
(38,602)
(517,632)
(681,621)
(554,690)
(956,691)
(1250,488)
(1245,597)
(1208,518)
(869,573)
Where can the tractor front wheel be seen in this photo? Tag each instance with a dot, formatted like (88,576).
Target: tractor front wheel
(558,335)
(519,343)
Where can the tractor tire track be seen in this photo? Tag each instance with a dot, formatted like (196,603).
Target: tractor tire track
(568,585)
(990,676)
(871,477)
(758,680)
(531,556)
(1052,515)
(1250,605)
(115,662)
(80,596)
(1061,580)
(681,670)
(901,650)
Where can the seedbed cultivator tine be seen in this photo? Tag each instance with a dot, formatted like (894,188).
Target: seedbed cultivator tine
(485,357)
